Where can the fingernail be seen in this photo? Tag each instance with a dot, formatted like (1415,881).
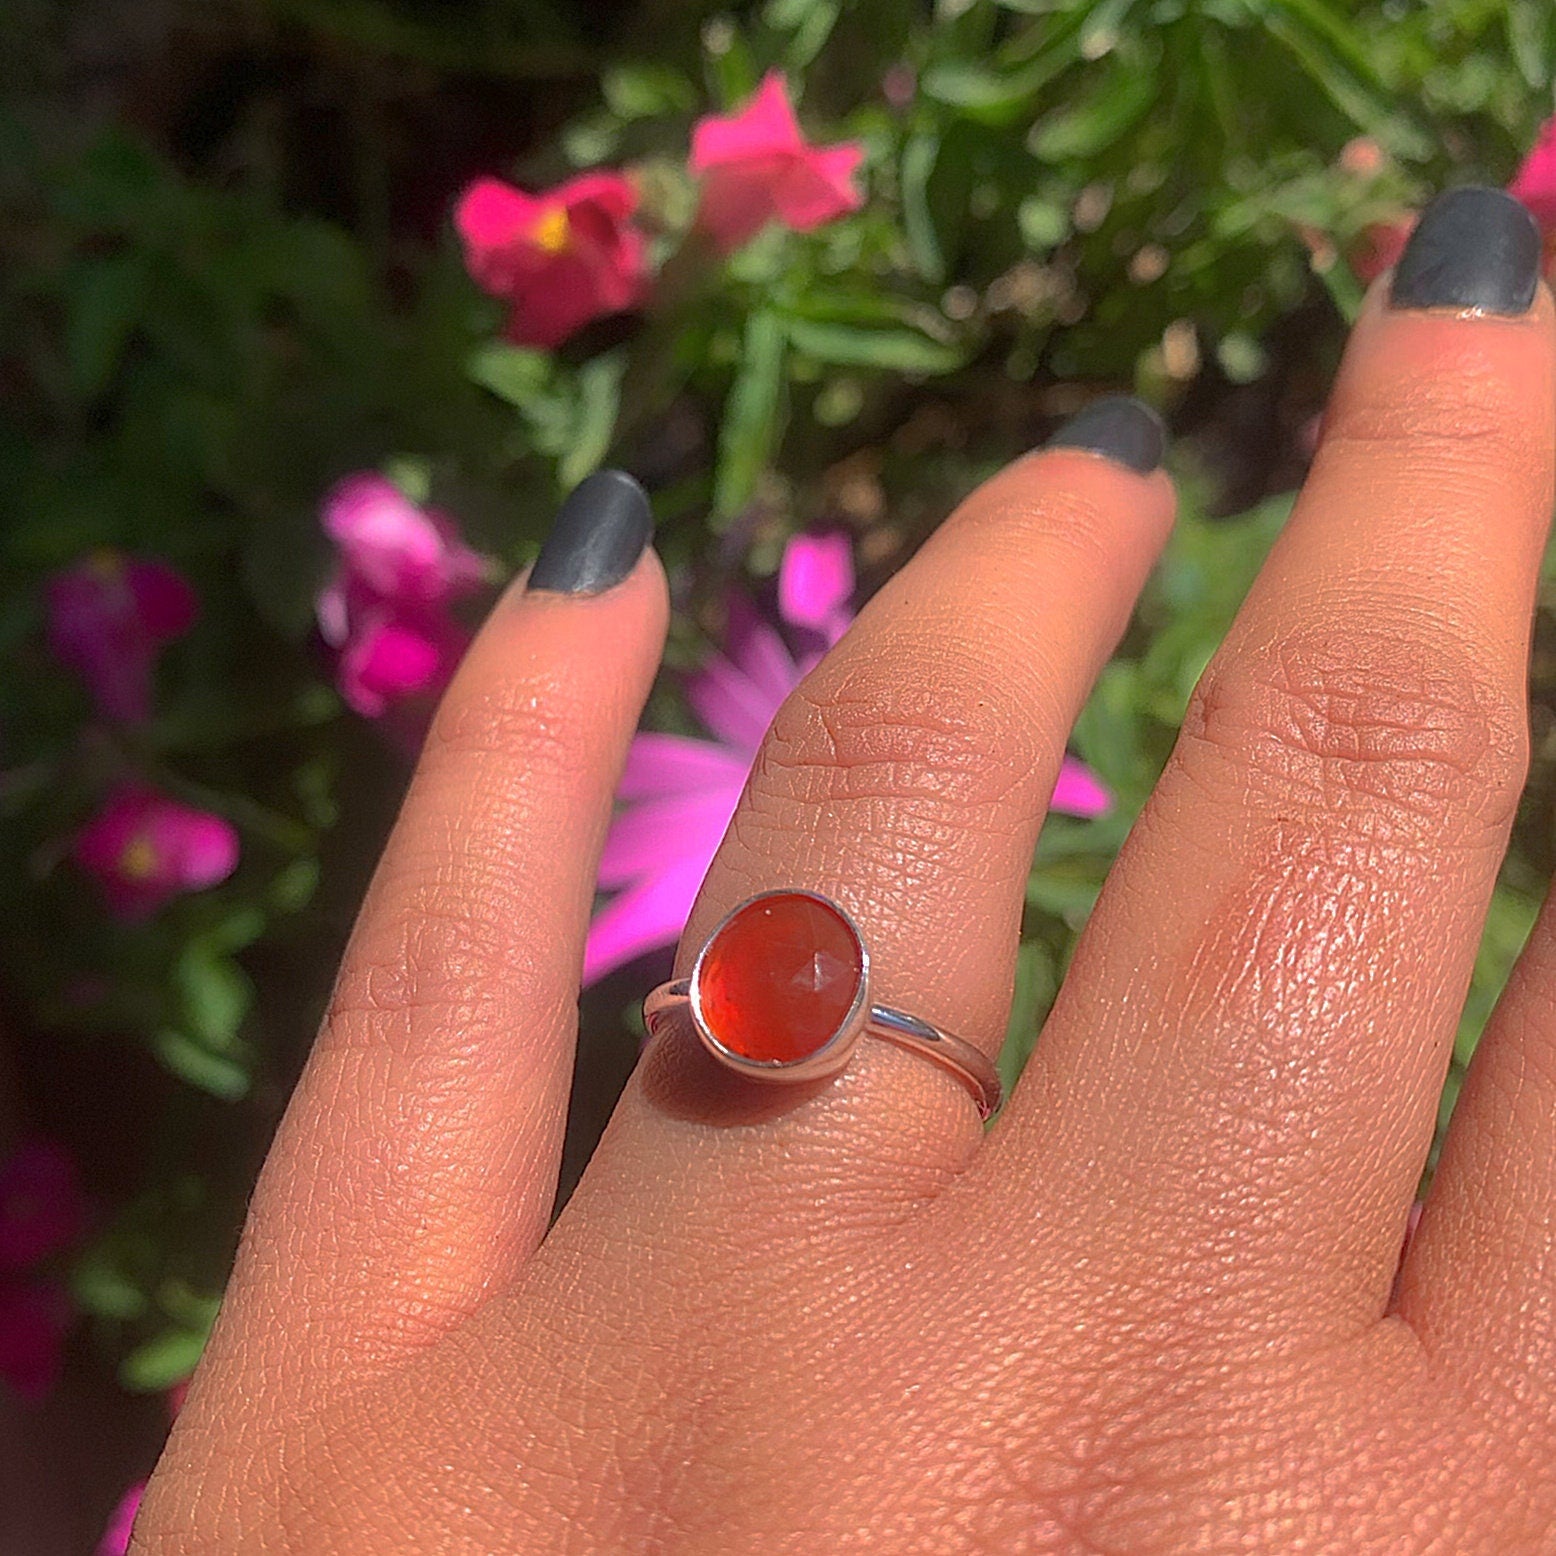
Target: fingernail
(1474,247)
(597,537)
(1120,428)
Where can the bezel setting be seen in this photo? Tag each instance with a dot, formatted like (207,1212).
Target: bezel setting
(821,1063)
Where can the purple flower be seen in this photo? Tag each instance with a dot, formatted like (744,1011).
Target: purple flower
(34,1320)
(109,618)
(121,1522)
(144,849)
(42,1208)
(679,793)
(386,609)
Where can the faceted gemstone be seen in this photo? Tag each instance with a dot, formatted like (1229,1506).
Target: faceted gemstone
(778,980)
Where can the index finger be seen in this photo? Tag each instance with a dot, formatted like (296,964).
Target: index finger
(416,1164)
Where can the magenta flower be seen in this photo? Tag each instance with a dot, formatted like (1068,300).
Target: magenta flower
(386,609)
(144,849)
(679,793)
(109,617)
(561,258)
(121,1522)
(42,1208)
(1535,181)
(34,1320)
(756,166)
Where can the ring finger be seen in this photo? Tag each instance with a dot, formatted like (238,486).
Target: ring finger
(906,779)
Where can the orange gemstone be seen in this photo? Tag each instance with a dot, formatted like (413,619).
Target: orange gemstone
(779,979)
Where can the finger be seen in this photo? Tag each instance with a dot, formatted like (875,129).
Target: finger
(1249,1048)
(906,779)
(1479,1282)
(416,1164)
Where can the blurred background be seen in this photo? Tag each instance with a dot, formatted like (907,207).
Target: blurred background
(312,310)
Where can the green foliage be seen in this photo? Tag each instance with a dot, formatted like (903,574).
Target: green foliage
(199,341)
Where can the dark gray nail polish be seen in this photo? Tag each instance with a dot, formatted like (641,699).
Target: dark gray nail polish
(1474,247)
(1120,428)
(597,538)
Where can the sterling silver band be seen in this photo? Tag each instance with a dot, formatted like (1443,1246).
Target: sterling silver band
(672,1002)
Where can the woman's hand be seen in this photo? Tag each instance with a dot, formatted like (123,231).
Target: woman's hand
(1154,1311)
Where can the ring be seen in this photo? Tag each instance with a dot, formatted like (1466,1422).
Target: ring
(781,992)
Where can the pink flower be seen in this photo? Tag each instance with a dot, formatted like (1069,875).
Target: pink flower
(109,617)
(756,167)
(145,849)
(386,608)
(34,1320)
(1379,247)
(679,793)
(561,258)
(121,1523)
(42,1208)
(1535,182)
(394,548)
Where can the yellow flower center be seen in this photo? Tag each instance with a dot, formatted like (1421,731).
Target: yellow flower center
(553,231)
(106,563)
(139,860)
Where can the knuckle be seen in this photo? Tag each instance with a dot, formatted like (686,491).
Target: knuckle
(1412,742)
(433,964)
(530,730)
(947,733)
(1466,414)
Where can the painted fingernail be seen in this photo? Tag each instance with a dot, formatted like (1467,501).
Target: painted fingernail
(1474,247)
(597,538)
(1120,428)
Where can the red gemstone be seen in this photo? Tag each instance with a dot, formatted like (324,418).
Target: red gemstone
(779,978)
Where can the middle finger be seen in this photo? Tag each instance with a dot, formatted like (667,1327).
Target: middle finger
(1249,1048)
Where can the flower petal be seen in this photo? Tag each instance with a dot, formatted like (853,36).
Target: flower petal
(121,1523)
(1535,182)
(765,126)
(34,1321)
(815,580)
(753,646)
(644,917)
(164,601)
(818,186)
(660,831)
(731,704)
(1079,792)
(668,764)
(42,1208)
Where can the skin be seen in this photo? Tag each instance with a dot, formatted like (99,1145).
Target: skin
(1155,1310)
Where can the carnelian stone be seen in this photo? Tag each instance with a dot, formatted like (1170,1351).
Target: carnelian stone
(779,978)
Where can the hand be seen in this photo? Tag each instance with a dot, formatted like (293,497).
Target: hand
(1154,1310)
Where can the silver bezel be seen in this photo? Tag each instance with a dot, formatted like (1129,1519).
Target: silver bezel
(833,1054)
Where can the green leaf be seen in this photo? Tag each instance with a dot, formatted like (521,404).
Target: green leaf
(105,300)
(1529,36)
(647,91)
(599,400)
(749,434)
(294,885)
(918,165)
(1068,891)
(510,372)
(219,1074)
(214,995)
(101,1288)
(1096,123)
(1037,982)
(162,1362)
(896,351)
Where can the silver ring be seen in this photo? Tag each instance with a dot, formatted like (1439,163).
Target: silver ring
(781,992)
